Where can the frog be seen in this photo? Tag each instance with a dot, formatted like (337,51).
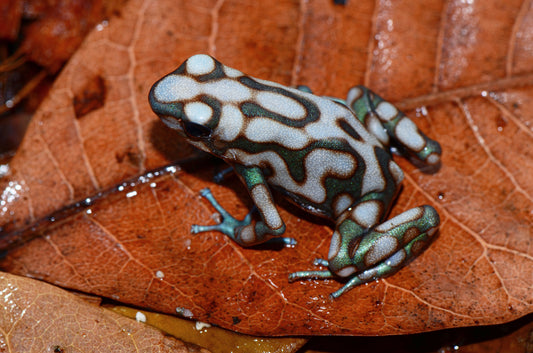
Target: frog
(331,157)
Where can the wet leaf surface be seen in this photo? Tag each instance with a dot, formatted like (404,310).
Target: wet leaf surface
(215,339)
(462,71)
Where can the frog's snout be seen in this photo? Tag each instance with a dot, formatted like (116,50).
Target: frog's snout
(170,113)
(160,108)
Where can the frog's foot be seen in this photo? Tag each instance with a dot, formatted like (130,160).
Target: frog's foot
(229,224)
(313,274)
(220,176)
(238,230)
(376,253)
(322,274)
(381,270)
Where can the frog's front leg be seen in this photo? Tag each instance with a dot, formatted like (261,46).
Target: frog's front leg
(364,254)
(245,232)
(386,122)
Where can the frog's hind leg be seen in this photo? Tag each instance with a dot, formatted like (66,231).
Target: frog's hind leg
(363,255)
(386,122)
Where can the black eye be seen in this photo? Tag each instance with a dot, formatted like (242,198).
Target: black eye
(196,130)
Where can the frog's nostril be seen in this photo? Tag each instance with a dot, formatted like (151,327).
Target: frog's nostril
(159,108)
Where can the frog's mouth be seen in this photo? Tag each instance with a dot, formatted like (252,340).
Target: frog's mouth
(171,122)
(187,128)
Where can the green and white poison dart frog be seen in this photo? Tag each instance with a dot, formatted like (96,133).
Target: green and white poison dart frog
(330,157)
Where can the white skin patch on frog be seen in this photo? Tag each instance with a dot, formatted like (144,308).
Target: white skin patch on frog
(346,271)
(407,216)
(334,245)
(200,64)
(175,88)
(198,112)
(231,123)
(317,165)
(262,199)
(396,258)
(396,172)
(368,213)
(341,203)
(373,179)
(432,231)
(231,72)
(407,133)
(382,248)
(353,94)
(281,104)
(386,111)
(247,234)
(226,91)
(433,159)
(375,127)
(268,130)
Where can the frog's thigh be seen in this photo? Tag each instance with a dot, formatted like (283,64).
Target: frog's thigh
(395,241)
(384,250)
(271,223)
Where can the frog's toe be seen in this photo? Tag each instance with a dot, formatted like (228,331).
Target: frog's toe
(321,262)
(289,241)
(229,225)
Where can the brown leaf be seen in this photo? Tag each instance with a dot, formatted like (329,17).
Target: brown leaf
(11,15)
(464,67)
(38,317)
(59,27)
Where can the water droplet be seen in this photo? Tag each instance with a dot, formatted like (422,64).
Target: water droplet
(131,194)
(184,312)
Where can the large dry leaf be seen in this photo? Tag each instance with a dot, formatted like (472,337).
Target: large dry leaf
(38,317)
(465,67)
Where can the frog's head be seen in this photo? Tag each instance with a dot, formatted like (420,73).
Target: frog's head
(186,100)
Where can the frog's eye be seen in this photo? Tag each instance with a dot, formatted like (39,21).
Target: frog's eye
(194,130)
